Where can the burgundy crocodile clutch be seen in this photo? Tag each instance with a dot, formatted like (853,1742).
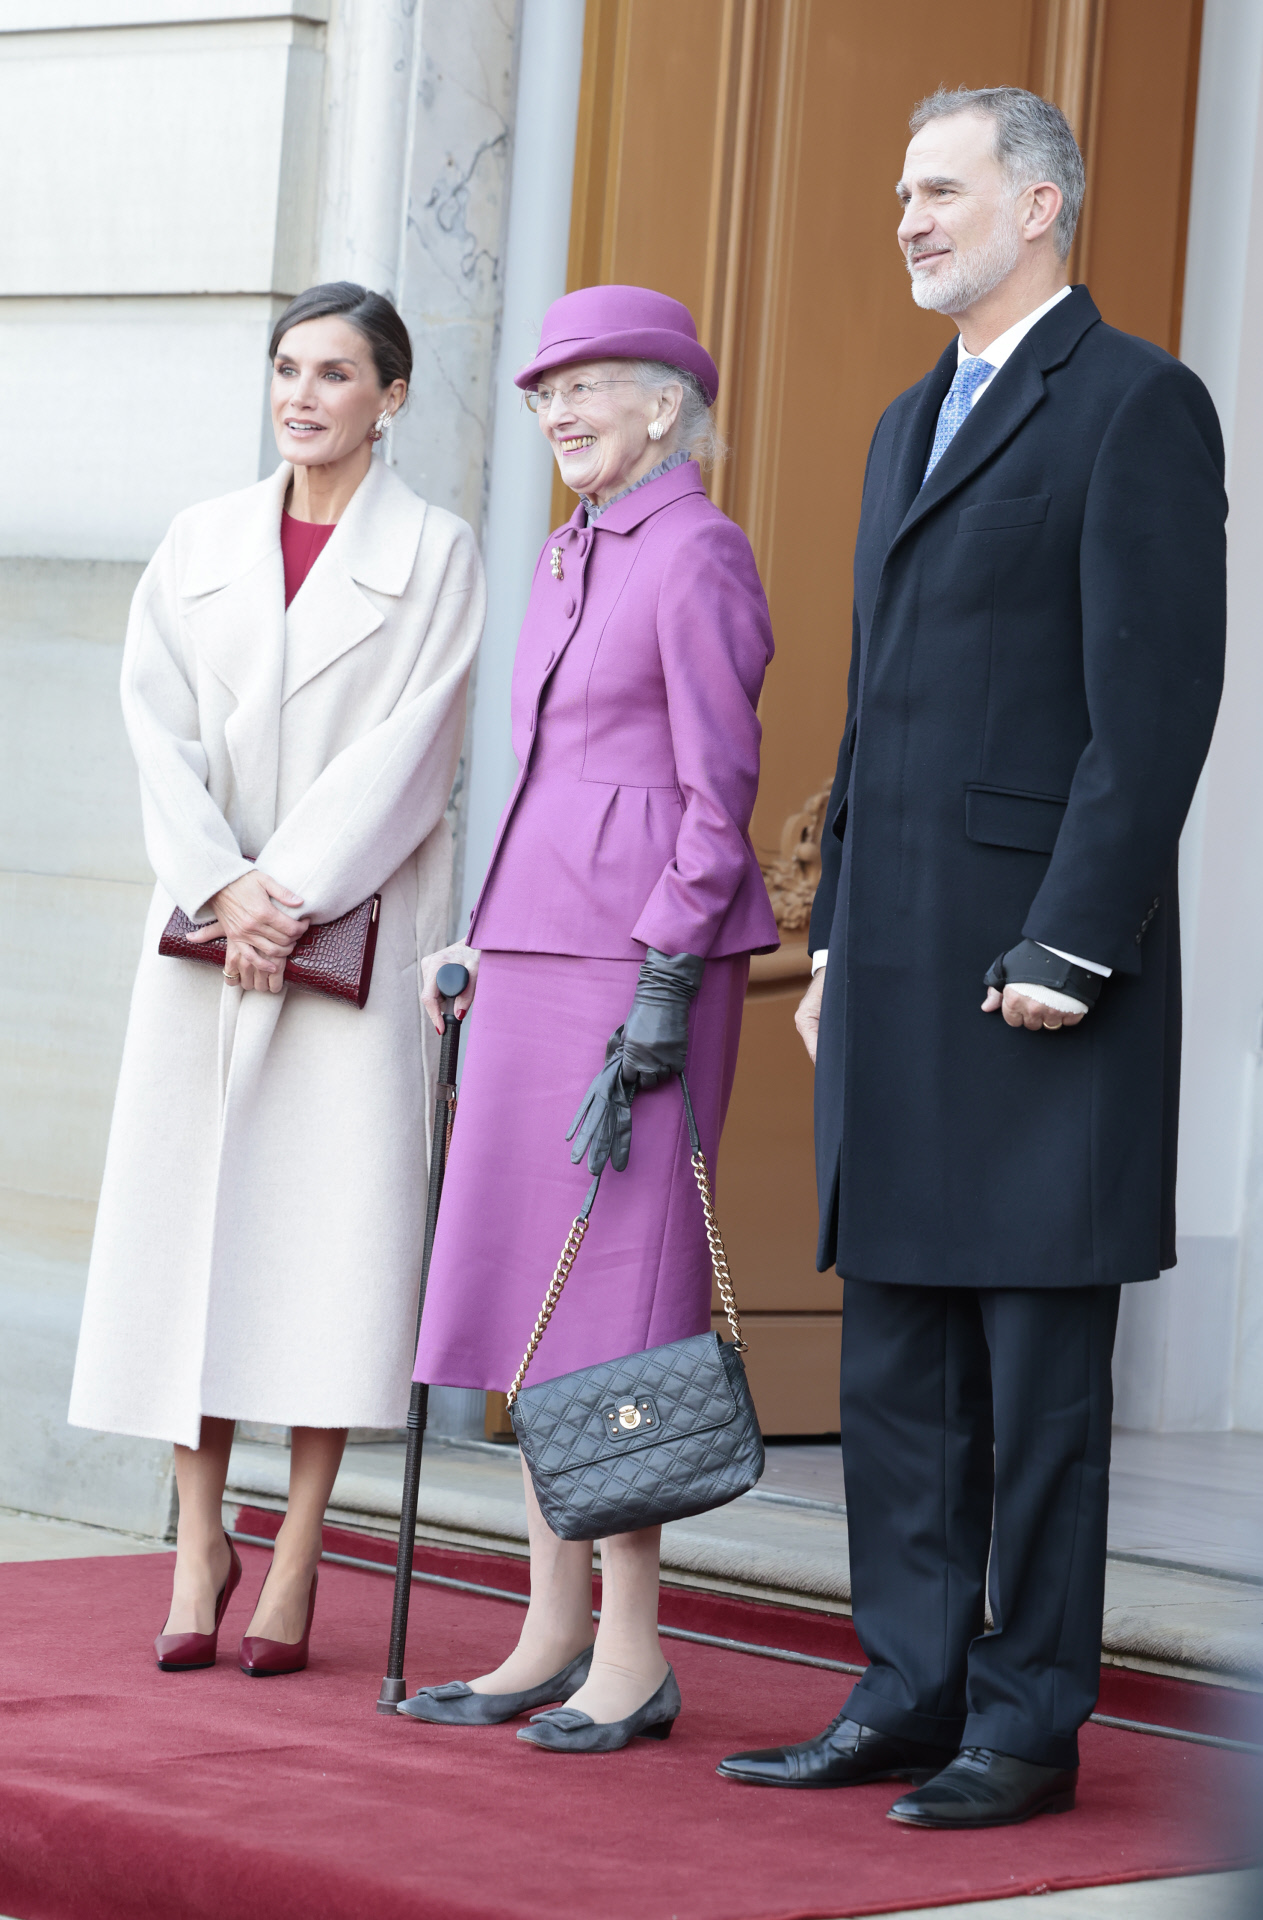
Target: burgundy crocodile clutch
(336,958)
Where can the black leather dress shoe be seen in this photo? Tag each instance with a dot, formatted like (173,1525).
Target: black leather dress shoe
(983,1788)
(844,1755)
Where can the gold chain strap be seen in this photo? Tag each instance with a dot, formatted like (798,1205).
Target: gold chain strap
(718,1258)
(574,1240)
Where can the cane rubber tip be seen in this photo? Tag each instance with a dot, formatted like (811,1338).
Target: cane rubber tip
(393,1691)
(452,979)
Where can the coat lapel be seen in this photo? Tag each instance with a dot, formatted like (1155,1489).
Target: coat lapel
(575,555)
(1012,397)
(1015,392)
(619,520)
(232,587)
(913,448)
(375,546)
(576,540)
(233,558)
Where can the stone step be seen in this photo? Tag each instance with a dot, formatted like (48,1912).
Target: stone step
(778,1547)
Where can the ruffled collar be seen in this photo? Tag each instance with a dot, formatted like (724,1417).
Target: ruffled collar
(668,465)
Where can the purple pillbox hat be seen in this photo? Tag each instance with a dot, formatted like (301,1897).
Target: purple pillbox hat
(620,323)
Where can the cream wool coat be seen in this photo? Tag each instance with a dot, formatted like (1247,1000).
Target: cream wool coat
(258,1241)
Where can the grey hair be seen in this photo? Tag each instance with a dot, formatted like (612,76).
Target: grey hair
(695,428)
(1033,142)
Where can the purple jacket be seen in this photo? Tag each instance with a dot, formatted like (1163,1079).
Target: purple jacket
(635,686)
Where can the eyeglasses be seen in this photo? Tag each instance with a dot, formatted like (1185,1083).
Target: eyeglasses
(540,399)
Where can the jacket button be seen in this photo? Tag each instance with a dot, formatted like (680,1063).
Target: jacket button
(569,605)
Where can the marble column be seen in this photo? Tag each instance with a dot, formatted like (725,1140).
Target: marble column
(550,60)
(1190,1345)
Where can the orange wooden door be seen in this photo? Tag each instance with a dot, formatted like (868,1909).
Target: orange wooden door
(741,155)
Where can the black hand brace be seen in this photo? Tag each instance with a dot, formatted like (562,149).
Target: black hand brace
(1030,964)
(651,1044)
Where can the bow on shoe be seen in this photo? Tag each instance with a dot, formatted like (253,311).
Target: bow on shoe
(649,1047)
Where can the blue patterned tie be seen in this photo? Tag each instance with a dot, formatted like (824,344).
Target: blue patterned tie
(954,411)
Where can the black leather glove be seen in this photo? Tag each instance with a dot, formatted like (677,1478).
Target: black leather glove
(603,1122)
(656,1031)
(1030,965)
(651,1044)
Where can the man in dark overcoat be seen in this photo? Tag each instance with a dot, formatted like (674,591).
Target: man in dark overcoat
(1036,665)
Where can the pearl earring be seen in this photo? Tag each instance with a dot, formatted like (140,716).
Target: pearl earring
(380,424)
(656,429)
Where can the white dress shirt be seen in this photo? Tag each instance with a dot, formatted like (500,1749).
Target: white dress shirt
(997,353)
(1005,344)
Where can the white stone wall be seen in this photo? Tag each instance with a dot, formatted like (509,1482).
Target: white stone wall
(174,171)
(74,884)
(160,162)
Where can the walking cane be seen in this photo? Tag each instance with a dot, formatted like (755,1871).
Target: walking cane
(451,980)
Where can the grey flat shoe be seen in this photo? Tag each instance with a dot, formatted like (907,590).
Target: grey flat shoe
(566,1731)
(455,1704)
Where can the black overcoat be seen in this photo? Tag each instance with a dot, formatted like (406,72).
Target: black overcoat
(1036,666)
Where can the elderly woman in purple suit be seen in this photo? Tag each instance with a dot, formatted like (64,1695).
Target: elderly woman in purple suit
(612,939)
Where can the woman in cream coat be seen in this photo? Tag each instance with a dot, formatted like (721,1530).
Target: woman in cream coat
(258,1241)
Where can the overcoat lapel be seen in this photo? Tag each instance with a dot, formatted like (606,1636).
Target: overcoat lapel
(374,545)
(912,450)
(233,591)
(1012,397)
(1015,392)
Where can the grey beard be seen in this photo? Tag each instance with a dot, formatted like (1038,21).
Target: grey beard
(971,276)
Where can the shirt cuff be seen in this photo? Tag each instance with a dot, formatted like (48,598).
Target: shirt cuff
(1075,960)
(819,959)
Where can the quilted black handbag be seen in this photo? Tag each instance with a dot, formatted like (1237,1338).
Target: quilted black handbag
(654,1436)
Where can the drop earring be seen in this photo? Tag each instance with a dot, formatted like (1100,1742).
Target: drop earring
(656,429)
(379,424)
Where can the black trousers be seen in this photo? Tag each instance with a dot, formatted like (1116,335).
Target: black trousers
(976,1422)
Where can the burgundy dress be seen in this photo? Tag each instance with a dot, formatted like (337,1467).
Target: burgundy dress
(302,543)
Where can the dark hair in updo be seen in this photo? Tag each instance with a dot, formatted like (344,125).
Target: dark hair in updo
(371,314)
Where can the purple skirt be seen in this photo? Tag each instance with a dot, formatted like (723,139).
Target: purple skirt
(537,1037)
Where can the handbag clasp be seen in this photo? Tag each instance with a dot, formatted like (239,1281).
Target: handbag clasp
(630,1416)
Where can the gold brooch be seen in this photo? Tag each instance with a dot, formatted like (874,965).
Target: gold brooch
(557,573)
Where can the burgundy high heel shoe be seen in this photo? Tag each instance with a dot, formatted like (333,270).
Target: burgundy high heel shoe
(262,1658)
(183,1652)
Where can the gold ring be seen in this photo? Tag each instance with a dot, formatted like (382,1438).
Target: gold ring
(233,979)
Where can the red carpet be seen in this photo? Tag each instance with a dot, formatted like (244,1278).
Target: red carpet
(125,1792)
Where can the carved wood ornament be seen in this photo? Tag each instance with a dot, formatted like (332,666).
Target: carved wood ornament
(793,874)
